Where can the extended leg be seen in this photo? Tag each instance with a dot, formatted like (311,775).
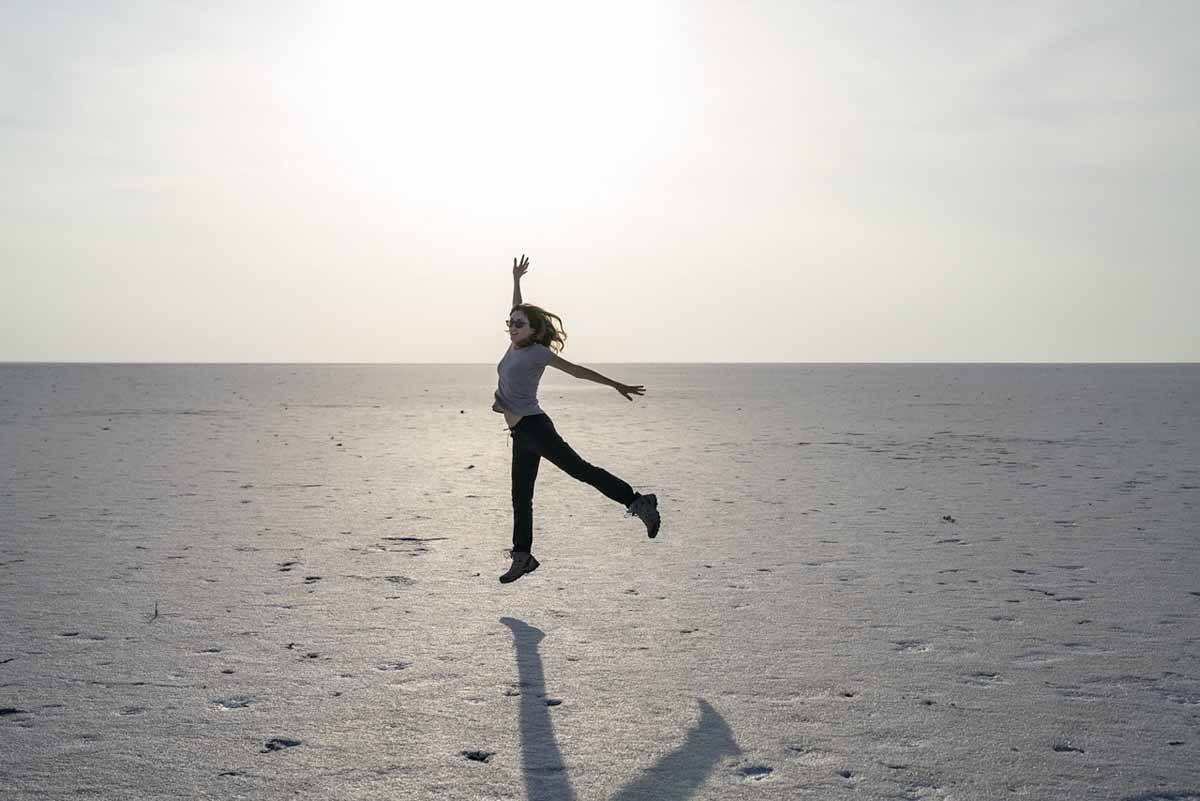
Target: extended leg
(549,444)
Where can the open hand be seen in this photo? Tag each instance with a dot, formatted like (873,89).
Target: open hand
(627,390)
(519,268)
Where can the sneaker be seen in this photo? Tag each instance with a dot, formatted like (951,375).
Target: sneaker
(522,563)
(645,508)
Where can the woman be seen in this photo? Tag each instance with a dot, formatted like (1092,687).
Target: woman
(535,336)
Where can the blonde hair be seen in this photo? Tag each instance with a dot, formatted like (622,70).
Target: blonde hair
(548,327)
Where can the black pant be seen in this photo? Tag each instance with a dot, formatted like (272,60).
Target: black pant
(534,437)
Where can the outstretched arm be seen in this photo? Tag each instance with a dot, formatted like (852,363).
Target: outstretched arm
(519,269)
(579,371)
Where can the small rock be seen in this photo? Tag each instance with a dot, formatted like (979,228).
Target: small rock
(479,756)
(278,744)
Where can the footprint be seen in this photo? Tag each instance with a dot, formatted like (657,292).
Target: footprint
(394,666)
(403,581)
(311,579)
(1035,659)
(131,711)
(12,710)
(413,539)
(236,702)
(911,645)
(1067,748)
(755,773)
(981,678)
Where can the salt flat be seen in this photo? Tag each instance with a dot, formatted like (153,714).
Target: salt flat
(893,582)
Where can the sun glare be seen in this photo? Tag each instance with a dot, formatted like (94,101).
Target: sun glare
(429,101)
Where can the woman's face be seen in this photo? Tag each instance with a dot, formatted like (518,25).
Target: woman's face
(519,330)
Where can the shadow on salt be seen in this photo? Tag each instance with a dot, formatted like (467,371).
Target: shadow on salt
(675,777)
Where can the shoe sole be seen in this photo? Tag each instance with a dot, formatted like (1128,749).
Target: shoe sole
(530,566)
(652,531)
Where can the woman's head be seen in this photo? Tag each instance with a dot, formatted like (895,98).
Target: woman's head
(528,324)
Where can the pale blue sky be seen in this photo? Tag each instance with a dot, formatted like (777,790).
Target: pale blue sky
(693,181)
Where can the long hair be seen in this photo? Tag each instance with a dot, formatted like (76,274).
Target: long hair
(548,328)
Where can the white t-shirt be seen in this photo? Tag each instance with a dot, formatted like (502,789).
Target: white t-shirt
(520,371)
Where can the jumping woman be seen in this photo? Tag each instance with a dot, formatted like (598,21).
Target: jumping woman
(535,337)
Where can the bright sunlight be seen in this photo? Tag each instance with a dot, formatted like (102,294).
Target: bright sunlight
(466,105)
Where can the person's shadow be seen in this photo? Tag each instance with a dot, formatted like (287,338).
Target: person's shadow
(675,777)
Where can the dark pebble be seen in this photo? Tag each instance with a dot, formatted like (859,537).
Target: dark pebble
(279,743)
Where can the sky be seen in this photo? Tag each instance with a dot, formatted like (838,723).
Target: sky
(348,181)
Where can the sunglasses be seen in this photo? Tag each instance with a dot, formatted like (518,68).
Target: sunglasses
(518,324)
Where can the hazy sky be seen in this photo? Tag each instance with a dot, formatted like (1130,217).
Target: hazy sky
(693,181)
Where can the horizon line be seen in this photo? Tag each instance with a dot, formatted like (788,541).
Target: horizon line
(31,363)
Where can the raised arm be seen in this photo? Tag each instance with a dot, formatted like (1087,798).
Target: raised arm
(519,269)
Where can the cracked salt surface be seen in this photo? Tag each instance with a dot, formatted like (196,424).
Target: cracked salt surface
(972,601)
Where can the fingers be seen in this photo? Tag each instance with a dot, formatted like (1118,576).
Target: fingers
(627,391)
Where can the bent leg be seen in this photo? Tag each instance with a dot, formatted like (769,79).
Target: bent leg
(525,463)
(553,448)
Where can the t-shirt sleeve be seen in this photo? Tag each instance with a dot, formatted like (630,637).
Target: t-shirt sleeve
(542,354)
